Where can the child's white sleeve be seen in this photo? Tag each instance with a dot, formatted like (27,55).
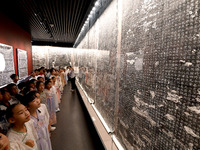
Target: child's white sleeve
(45,112)
(19,146)
(34,132)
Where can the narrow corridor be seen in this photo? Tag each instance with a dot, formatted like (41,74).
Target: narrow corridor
(74,129)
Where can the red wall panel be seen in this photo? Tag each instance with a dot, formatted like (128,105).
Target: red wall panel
(13,35)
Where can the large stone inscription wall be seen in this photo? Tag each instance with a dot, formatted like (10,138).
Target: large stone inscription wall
(99,60)
(49,57)
(40,57)
(157,103)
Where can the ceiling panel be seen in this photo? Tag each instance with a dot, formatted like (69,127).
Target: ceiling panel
(50,22)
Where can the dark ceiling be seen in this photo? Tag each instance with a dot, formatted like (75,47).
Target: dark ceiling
(50,22)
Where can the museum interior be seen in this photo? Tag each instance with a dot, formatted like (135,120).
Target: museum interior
(136,65)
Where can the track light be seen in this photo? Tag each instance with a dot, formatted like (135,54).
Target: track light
(36,13)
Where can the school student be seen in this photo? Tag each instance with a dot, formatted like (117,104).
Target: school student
(50,103)
(22,135)
(4,104)
(15,78)
(40,89)
(55,93)
(14,92)
(40,117)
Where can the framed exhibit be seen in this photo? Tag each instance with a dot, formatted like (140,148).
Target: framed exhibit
(22,64)
(6,64)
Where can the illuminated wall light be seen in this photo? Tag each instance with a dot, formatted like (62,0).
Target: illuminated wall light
(93,9)
(118,144)
(92,12)
(102,119)
(97,3)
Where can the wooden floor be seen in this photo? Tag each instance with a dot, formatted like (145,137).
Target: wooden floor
(74,128)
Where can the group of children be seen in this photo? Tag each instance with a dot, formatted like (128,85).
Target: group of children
(28,108)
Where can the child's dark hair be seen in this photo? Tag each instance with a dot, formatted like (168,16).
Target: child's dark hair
(29,97)
(32,80)
(51,70)
(9,111)
(9,87)
(21,85)
(3,91)
(46,82)
(38,78)
(13,76)
(41,68)
(38,83)
(26,90)
(29,83)
(53,77)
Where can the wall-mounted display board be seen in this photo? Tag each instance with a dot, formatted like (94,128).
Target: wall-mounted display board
(6,64)
(22,63)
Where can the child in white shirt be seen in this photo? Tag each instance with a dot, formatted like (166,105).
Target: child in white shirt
(22,135)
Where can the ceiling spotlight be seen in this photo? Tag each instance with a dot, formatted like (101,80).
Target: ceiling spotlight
(51,25)
(37,13)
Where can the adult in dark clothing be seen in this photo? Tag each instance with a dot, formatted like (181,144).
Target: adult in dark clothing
(72,76)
